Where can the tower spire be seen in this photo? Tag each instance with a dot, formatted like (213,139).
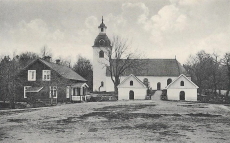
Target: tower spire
(102,19)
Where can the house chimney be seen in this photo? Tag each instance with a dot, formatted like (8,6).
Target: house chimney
(47,58)
(58,61)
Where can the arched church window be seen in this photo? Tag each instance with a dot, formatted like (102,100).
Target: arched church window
(131,83)
(169,81)
(146,82)
(102,84)
(101,54)
(182,83)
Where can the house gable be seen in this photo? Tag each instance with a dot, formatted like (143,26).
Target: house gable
(182,82)
(63,71)
(131,82)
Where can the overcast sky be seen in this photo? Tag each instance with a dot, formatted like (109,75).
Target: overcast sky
(157,28)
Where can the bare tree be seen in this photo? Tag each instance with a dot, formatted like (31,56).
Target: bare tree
(120,59)
(199,66)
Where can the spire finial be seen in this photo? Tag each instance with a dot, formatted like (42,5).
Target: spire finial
(102,19)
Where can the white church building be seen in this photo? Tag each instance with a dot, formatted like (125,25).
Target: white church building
(159,73)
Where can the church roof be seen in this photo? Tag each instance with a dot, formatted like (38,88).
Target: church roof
(106,42)
(153,67)
(102,25)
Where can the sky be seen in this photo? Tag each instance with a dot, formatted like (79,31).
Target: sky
(155,28)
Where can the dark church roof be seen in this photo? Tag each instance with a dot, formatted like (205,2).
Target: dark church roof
(102,25)
(105,43)
(154,67)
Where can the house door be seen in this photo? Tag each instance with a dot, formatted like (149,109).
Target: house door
(182,95)
(131,95)
(158,86)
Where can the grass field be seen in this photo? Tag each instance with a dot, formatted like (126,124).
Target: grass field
(121,121)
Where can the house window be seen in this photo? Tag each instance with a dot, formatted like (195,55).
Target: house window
(169,81)
(101,54)
(31,75)
(102,84)
(53,91)
(77,91)
(46,75)
(131,83)
(25,88)
(67,91)
(182,83)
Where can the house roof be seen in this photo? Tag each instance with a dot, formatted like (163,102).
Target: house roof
(153,67)
(182,75)
(79,85)
(64,71)
(34,89)
(131,75)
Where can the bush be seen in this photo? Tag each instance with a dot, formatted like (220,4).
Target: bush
(164,95)
(99,98)
(211,98)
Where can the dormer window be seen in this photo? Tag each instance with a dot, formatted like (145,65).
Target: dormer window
(131,83)
(182,83)
(101,54)
(31,75)
(46,75)
(101,42)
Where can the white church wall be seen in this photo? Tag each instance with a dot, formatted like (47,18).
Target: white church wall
(174,94)
(99,69)
(153,80)
(139,93)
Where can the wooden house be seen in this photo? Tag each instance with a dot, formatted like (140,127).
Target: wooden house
(48,82)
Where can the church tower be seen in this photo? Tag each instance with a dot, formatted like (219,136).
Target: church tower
(101,47)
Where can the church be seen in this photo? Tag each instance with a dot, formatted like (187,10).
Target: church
(161,74)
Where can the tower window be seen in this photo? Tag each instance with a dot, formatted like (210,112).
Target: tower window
(182,83)
(101,42)
(102,29)
(131,83)
(101,54)
(102,84)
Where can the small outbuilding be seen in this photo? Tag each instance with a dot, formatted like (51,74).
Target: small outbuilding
(131,88)
(182,88)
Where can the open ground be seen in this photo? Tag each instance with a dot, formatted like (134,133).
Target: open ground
(120,121)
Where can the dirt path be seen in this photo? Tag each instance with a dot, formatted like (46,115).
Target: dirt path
(122,121)
(157,96)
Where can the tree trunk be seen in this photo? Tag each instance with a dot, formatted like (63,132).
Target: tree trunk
(228,80)
(116,83)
